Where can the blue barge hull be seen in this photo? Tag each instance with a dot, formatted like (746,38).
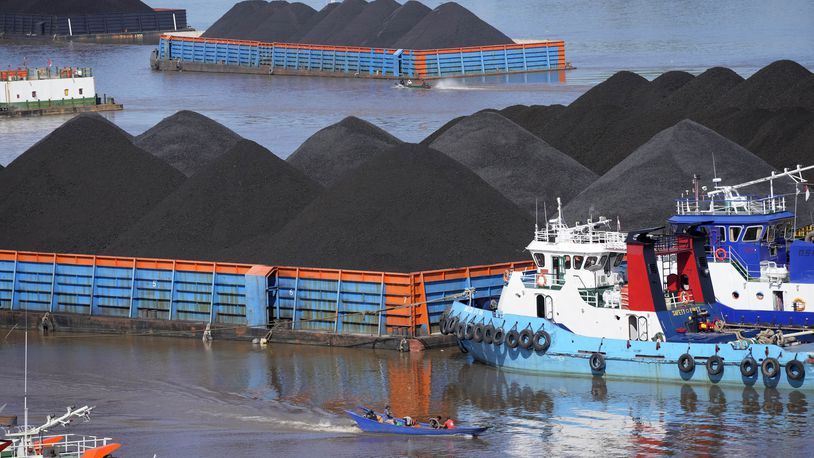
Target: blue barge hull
(572,354)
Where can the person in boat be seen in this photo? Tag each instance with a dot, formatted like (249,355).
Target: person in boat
(449,424)
(401,81)
(371,415)
(388,413)
(409,82)
(436,422)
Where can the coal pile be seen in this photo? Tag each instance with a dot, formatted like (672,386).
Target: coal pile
(521,166)
(409,208)
(79,187)
(451,26)
(365,25)
(62,7)
(284,24)
(379,23)
(335,150)
(244,193)
(641,190)
(334,23)
(401,21)
(187,140)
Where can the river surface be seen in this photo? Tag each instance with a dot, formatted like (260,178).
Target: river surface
(280,112)
(178,397)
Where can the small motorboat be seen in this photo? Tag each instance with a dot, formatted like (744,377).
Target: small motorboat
(419,429)
(410,84)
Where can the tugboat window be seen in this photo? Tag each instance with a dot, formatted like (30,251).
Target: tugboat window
(772,234)
(619,258)
(590,261)
(721,233)
(567,262)
(578,262)
(735,233)
(752,234)
(604,263)
(539,258)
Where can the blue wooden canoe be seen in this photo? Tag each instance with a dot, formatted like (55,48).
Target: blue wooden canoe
(373,426)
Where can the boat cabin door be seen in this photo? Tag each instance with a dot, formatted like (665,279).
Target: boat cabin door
(778,301)
(637,327)
(545,307)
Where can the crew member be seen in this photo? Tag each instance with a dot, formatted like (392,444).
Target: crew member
(449,424)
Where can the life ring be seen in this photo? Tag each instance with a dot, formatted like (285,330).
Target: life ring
(597,362)
(795,370)
(686,363)
(685,297)
(720,254)
(498,337)
(715,365)
(541,281)
(748,367)
(770,367)
(798,304)
(541,341)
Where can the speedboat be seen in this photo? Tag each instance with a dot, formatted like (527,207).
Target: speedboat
(419,429)
(410,84)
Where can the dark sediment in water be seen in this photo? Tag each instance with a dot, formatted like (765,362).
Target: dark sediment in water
(339,148)
(451,26)
(79,187)
(366,25)
(333,24)
(187,140)
(409,208)
(51,7)
(524,168)
(401,21)
(641,190)
(246,192)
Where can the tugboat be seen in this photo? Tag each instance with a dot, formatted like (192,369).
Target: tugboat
(579,282)
(410,84)
(520,334)
(762,275)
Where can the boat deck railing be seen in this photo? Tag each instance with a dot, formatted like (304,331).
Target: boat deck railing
(607,239)
(70,445)
(741,205)
(534,279)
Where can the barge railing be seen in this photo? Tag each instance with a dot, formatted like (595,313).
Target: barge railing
(231,294)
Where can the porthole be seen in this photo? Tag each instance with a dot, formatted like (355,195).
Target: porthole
(759,296)
(735,295)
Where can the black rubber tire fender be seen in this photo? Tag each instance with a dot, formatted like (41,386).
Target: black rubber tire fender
(795,370)
(488,334)
(477,333)
(748,367)
(526,338)
(469,330)
(597,362)
(541,341)
(442,324)
(686,363)
(770,367)
(512,338)
(499,337)
(715,365)
(452,324)
(460,331)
